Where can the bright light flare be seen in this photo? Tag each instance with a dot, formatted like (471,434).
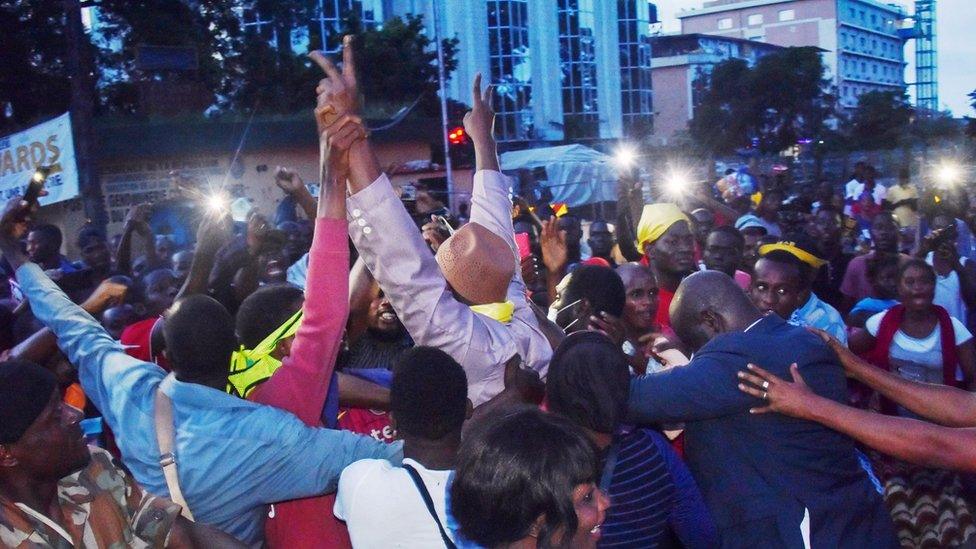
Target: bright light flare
(216,203)
(625,156)
(948,173)
(677,183)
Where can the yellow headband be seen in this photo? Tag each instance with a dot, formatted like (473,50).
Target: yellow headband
(793,250)
(655,220)
(252,367)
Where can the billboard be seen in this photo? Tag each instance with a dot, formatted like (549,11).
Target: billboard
(47,144)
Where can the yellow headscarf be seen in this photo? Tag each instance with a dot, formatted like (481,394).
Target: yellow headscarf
(655,220)
(502,312)
(795,251)
(252,367)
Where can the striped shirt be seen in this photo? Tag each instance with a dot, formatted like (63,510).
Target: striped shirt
(651,491)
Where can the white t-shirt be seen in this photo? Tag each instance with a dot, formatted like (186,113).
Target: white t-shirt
(919,359)
(383,508)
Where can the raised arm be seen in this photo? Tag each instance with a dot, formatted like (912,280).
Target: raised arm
(41,346)
(291,183)
(135,222)
(213,233)
(400,260)
(940,403)
(907,439)
(301,385)
(105,370)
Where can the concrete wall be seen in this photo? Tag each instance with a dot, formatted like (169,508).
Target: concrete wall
(126,182)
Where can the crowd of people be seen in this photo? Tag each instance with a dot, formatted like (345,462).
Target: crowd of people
(752,363)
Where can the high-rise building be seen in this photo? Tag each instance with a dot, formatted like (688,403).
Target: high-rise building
(563,69)
(862,48)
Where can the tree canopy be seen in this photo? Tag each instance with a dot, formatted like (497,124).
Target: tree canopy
(785,97)
(236,68)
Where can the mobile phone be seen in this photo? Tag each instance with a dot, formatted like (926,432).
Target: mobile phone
(36,184)
(524,247)
(441,222)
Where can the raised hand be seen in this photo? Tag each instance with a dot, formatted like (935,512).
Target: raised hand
(434,234)
(337,93)
(107,294)
(13,226)
(479,123)
(136,219)
(555,254)
(608,325)
(213,233)
(257,230)
(346,131)
(288,181)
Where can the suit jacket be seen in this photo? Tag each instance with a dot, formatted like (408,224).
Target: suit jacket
(761,473)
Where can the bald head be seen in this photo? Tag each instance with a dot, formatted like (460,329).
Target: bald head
(709,303)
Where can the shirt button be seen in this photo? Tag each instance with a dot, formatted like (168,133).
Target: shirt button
(357,212)
(362,222)
(367,230)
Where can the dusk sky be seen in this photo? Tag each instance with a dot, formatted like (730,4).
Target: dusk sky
(957,48)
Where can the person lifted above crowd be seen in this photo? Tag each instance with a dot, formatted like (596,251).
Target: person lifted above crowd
(469,300)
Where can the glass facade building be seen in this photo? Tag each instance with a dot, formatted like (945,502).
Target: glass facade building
(577,63)
(633,28)
(509,56)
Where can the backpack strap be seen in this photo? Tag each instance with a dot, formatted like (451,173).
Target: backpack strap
(422,488)
(165,437)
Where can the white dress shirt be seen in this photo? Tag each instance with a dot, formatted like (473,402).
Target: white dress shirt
(403,265)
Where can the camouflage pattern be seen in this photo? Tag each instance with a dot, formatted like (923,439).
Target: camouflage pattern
(102,507)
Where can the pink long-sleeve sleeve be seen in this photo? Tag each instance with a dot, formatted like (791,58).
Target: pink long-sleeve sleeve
(302,383)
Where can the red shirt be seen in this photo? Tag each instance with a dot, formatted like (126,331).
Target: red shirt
(664,298)
(136,339)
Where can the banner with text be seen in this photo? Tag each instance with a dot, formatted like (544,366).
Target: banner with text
(47,144)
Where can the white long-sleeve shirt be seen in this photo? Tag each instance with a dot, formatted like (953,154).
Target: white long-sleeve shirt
(405,268)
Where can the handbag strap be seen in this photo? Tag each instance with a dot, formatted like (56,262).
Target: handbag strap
(165,437)
(422,488)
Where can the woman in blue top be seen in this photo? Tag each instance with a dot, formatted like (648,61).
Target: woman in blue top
(652,494)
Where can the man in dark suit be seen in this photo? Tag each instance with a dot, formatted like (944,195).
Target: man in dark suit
(769,480)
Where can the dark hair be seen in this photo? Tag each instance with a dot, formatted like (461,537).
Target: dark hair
(881,262)
(786,258)
(50,233)
(429,393)
(916,263)
(199,334)
(601,286)
(589,381)
(732,232)
(513,469)
(265,311)
(89,235)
